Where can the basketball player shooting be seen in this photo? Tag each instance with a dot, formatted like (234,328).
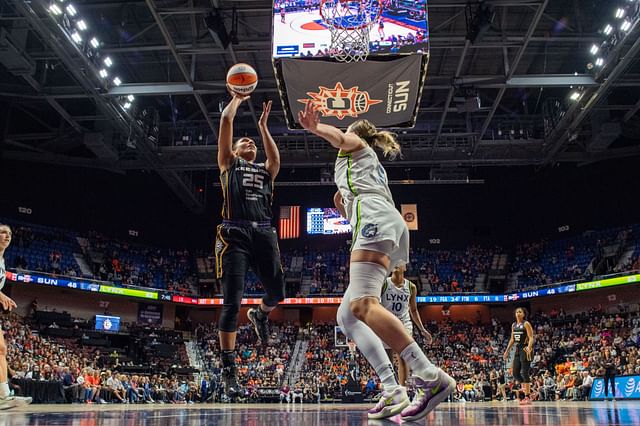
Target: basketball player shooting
(245,238)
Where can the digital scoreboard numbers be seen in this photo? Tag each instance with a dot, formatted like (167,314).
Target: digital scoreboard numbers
(326,221)
(315,221)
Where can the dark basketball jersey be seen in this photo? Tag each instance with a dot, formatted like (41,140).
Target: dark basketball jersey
(247,190)
(520,336)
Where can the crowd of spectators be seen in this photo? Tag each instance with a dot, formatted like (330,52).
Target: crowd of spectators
(434,271)
(533,260)
(632,265)
(451,271)
(545,262)
(122,263)
(84,374)
(130,264)
(259,366)
(329,368)
(570,351)
(42,249)
(322,273)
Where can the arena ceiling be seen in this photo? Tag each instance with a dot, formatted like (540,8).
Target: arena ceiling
(532,59)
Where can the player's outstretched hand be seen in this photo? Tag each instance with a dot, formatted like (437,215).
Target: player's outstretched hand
(428,338)
(309,118)
(6,302)
(266,109)
(237,95)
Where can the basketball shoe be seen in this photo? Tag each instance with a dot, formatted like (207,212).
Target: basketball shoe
(260,324)
(525,401)
(390,404)
(230,381)
(428,395)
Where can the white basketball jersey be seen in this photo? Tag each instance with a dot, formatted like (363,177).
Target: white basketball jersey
(3,273)
(396,300)
(359,173)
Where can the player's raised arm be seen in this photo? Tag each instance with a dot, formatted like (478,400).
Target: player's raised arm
(339,203)
(225,135)
(270,148)
(310,120)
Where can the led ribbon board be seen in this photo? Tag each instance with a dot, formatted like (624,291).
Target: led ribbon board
(85,285)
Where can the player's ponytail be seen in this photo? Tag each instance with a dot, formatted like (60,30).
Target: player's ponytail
(384,140)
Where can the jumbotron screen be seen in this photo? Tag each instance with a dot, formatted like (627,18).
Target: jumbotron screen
(107,323)
(326,221)
(299,30)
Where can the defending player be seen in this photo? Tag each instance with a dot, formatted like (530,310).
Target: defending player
(380,242)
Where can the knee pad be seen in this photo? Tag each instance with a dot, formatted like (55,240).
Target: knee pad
(366,280)
(229,317)
(232,290)
(274,292)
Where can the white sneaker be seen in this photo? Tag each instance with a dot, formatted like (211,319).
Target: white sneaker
(14,401)
(390,404)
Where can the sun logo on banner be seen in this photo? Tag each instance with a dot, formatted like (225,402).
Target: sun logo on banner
(409,217)
(340,102)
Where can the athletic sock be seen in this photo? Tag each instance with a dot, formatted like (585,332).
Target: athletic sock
(418,362)
(387,377)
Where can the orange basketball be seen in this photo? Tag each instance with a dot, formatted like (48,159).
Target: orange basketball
(242,79)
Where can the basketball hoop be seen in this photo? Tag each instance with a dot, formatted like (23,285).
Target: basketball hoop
(350,22)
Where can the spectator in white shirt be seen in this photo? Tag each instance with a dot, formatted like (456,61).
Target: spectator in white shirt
(585,387)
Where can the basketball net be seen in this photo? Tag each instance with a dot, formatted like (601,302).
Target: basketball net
(349,23)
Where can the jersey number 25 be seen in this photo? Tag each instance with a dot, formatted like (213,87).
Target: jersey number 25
(252,180)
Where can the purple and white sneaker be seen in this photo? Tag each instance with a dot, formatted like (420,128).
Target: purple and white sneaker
(390,404)
(428,395)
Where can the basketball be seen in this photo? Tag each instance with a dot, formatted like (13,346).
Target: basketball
(242,79)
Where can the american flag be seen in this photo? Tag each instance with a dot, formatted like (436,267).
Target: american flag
(289,222)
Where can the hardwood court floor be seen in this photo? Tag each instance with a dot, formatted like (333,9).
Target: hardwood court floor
(496,413)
